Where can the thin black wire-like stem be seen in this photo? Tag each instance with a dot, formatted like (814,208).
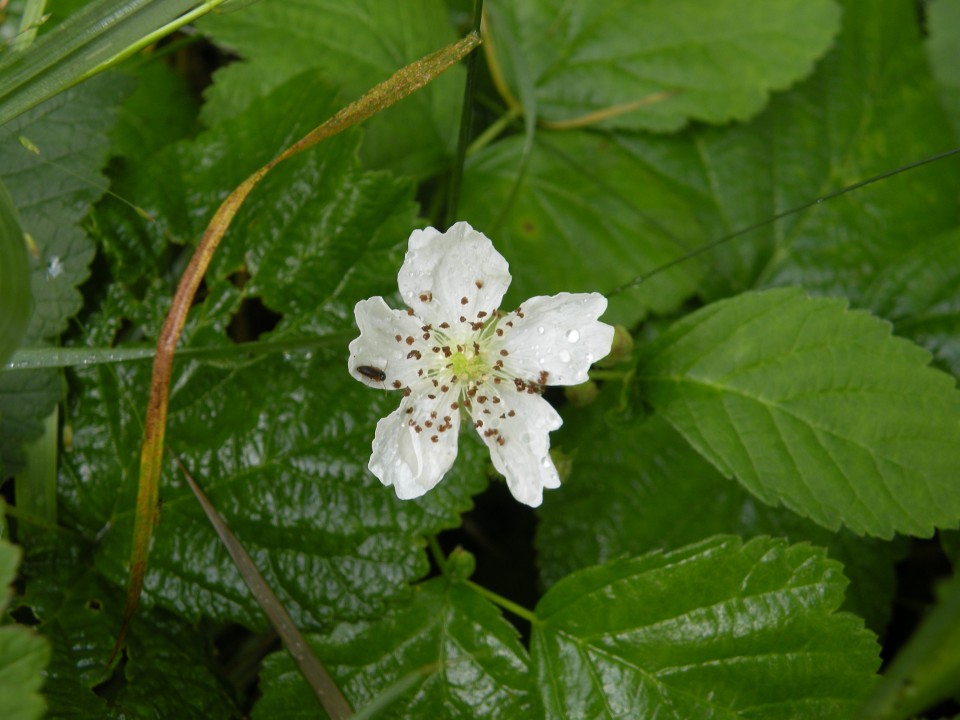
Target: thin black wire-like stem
(640,279)
(466,123)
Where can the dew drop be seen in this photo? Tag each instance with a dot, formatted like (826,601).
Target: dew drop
(564,356)
(573,336)
(541,330)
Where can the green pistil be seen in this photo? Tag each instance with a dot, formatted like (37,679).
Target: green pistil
(468,368)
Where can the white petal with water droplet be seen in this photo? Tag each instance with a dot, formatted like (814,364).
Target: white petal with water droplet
(524,457)
(573,340)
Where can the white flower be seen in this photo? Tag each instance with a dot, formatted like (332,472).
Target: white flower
(454,355)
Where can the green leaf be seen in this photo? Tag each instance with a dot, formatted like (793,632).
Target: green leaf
(568,208)
(15,296)
(23,654)
(813,406)
(943,25)
(160,111)
(356,47)
(169,667)
(870,107)
(50,159)
(279,442)
(919,295)
(715,62)
(719,629)
(654,492)
(447,653)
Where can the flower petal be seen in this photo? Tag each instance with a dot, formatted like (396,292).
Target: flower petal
(559,335)
(413,460)
(441,270)
(386,345)
(519,440)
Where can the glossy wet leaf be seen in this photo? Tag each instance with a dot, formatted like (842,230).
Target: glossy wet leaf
(813,406)
(24,655)
(719,629)
(53,177)
(355,46)
(78,613)
(654,491)
(586,217)
(919,295)
(714,62)
(279,442)
(855,117)
(447,652)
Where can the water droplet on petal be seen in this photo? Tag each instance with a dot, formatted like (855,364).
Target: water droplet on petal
(573,336)
(545,461)
(564,356)
(541,330)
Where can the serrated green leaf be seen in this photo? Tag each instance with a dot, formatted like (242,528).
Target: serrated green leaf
(654,491)
(714,62)
(15,296)
(50,159)
(23,654)
(53,185)
(458,656)
(284,463)
(280,442)
(586,217)
(813,406)
(355,47)
(169,668)
(719,629)
(870,107)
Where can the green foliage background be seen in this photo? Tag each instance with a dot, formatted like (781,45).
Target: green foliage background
(734,500)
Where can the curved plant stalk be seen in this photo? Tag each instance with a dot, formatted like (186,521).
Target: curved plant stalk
(398,86)
(310,667)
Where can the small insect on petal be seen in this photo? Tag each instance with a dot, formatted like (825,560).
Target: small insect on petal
(371,372)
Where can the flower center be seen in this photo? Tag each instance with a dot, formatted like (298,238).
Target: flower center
(469,367)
